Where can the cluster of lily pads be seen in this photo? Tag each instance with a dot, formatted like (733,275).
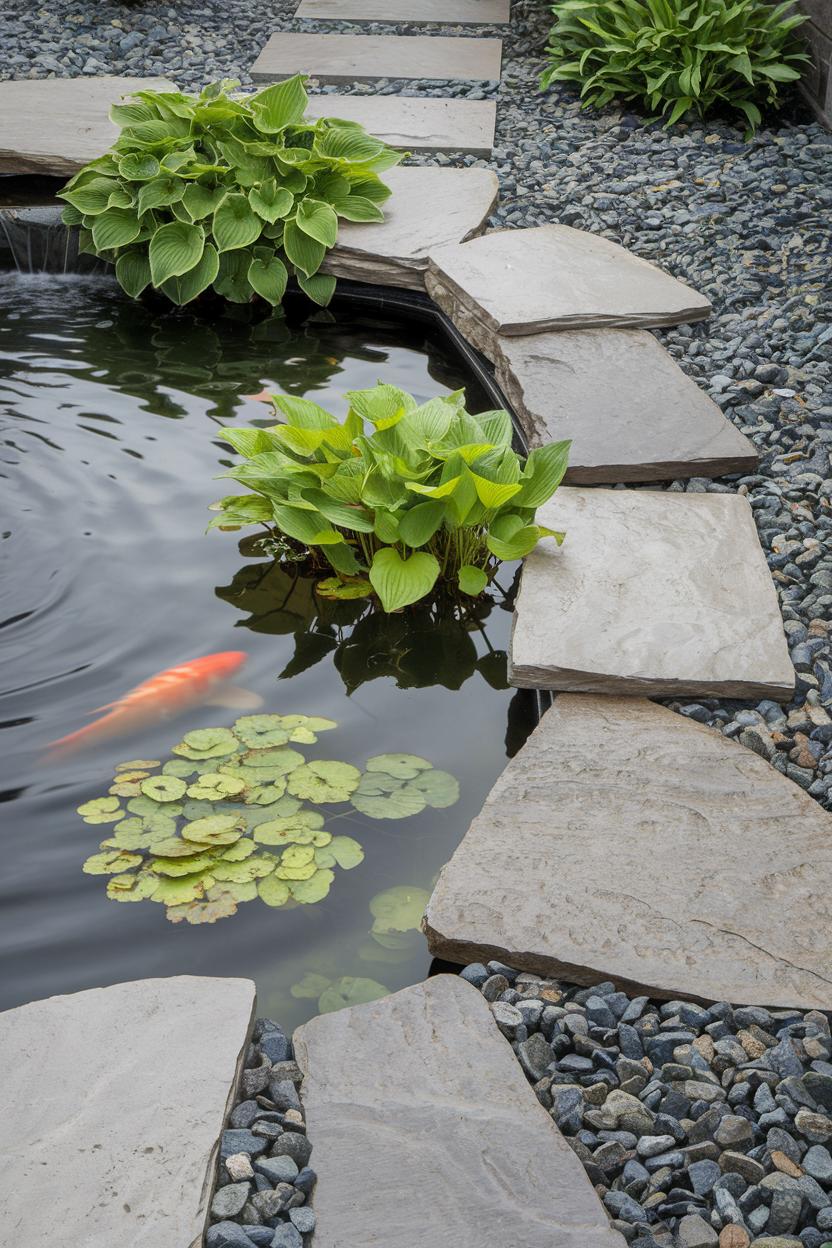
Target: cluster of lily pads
(397,914)
(232,817)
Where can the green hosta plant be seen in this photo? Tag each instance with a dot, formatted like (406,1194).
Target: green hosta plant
(233,193)
(677,55)
(232,817)
(397,497)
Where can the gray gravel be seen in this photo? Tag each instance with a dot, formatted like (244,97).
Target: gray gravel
(687,1119)
(264,1180)
(750,224)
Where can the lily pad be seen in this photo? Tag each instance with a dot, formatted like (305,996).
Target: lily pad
(266,794)
(342,850)
(324,781)
(402,766)
(184,768)
(297,856)
(305,872)
(220,906)
(133,764)
(146,807)
(277,762)
(399,909)
(307,892)
(130,788)
(333,587)
(350,990)
(296,829)
(439,788)
(135,886)
(177,867)
(272,891)
(400,804)
(175,847)
(111,862)
(178,892)
(237,852)
(214,830)
(214,787)
(240,890)
(259,730)
(207,743)
(164,788)
(254,868)
(101,810)
(310,987)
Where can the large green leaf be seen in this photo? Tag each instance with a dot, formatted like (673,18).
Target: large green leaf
(174,249)
(235,223)
(279,106)
(305,252)
(270,201)
(133,272)
(232,279)
(399,582)
(318,220)
(543,474)
(160,192)
(182,290)
(269,278)
(320,287)
(419,524)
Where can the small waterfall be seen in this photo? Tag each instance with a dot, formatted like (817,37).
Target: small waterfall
(35,240)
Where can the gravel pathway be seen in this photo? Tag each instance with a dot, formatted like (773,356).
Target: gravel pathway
(264,1181)
(696,1126)
(748,224)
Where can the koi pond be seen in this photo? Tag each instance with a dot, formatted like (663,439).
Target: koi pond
(111,411)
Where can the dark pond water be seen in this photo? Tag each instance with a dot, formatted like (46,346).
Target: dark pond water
(109,416)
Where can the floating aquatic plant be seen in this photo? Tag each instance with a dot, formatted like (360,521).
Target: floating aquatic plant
(335,994)
(231,818)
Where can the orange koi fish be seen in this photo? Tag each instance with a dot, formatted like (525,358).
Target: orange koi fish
(164,696)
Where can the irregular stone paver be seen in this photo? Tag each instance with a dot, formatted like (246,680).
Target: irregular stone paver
(653,593)
(428,124)
(56,125)
(363,58)
(394,252)
(112,1111)
(631,412)
(451,12)
(554,277)
(420,1091)
(626,842)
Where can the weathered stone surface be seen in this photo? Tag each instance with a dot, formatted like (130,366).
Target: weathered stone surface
(631,412)
(554,277)
(626,842)
(451,12)
(416,123)
(56,125)
(112,1110)
(364,58)
(652,593)
(426,204)
(421,1086)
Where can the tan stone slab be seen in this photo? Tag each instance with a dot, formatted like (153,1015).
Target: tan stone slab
(421,1092)
(554,277)
(418,124)
(112,1111)
(626,842)
(56,125)
(652,592)
(631,412)
(365,58)
(450,12)
(427,203)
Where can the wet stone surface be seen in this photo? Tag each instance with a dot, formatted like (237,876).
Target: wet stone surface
(698,1126)
(264,1177)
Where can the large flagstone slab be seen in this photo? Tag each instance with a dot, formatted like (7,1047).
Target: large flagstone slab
(113,1104)
(426,204)
(631,412)
(56,125)
(418,124)
(626,842)
(554,277)
(364,58)
(420,1092)
(451,12)
(653,593)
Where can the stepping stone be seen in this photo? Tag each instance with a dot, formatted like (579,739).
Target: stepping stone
(451,12)
(365,58)
(427,204)
(553,277)
(654,593)
(56,125)
(631,412)
(113,1110)
(626,842)
(418,124)
(422,1093)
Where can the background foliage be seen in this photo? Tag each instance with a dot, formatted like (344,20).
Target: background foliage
(233,193)
(673,56)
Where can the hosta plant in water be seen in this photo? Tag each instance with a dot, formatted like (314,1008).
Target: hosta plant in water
(239,814)
(229,192)
(398,499)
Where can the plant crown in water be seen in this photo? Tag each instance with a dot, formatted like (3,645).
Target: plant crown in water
(236,193)
(233,817)
(397,497)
